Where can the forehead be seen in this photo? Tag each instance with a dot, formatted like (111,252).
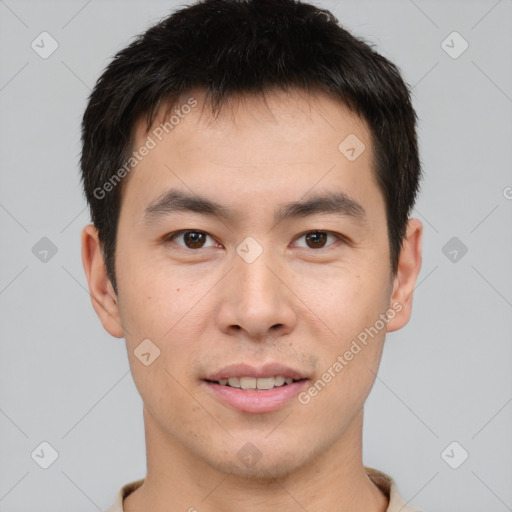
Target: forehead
(254,146)
(245,114)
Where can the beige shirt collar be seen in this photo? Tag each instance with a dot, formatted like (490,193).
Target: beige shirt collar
(383,481)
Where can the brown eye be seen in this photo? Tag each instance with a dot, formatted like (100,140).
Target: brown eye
(191,239)
(317,239)
(194,239)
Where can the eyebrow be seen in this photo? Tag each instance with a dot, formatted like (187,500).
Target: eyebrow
(177,201)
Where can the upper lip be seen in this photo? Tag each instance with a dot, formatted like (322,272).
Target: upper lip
(245,370)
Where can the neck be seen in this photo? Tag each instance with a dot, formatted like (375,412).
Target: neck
(178,480)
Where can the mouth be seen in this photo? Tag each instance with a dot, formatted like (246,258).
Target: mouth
(256,395)
(256,384)
(256,389)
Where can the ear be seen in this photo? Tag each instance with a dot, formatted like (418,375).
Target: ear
(409,266)
(103,297)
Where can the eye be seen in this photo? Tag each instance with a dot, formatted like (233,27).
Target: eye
(318,239)
(192,239)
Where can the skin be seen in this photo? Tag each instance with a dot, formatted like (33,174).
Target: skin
(296,304)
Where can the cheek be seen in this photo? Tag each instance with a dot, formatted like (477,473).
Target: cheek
(351,308)
(171,316)
(153,295)
(349,300)
(350,360)
(172,309)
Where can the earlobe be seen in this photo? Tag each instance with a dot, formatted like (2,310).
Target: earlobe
(409,266)
(103,296)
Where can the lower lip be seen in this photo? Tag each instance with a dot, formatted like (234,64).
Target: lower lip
(268,400)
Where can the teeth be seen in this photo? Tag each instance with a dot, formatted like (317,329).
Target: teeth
(234,382)
(279,381)
(248,382)
(265,383)
(253,383)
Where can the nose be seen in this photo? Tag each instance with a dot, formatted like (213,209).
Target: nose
(257,302)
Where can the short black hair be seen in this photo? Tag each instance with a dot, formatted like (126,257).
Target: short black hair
(247,47)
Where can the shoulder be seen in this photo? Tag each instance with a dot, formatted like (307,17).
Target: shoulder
(122,493)
(389,487)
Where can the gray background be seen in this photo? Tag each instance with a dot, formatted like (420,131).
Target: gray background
(445,377)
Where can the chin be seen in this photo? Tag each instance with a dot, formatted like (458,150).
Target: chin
(265,473)
(262,461)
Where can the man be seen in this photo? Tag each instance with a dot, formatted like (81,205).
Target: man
(250,168)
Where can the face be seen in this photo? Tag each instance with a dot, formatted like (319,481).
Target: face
(217,266)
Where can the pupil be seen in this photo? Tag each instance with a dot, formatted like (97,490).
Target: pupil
(316,237)
(195,238)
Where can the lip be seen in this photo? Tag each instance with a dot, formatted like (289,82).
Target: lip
(256,401)
(246,370)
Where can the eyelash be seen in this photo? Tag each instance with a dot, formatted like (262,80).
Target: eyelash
(171,236)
